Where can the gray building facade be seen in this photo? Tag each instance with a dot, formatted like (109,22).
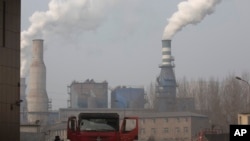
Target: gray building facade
(10,11)
(88,94)
(127,97)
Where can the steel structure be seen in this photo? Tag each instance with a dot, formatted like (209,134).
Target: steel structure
(166,83)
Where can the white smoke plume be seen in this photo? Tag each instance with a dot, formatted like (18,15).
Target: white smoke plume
(189,12)
(64,18)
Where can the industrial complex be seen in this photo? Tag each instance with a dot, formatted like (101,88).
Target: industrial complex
(171,118)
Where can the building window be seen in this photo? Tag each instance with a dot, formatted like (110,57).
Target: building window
(186,119)
(185,129)
(166,119)
(177,129)
(142,131)
(165,130)
(153,130)
(153,120)
(142,121)
(178,119)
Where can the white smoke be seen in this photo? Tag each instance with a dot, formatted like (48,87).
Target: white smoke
(189,12)
(64,18)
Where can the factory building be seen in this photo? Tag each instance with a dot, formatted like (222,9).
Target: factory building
(171,126)
(127,97)
(88,94)
(10,13)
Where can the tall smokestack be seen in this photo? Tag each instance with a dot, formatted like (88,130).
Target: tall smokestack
(166,53)
(37,99)
(166,83)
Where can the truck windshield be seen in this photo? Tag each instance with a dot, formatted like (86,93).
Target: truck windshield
(99,124)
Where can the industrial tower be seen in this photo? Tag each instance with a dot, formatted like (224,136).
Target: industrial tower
(165,82)
(37,99)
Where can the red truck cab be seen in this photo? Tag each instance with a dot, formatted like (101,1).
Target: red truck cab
(102,127)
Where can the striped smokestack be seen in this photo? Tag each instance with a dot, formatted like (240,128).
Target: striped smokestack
(166,53)
(166,83)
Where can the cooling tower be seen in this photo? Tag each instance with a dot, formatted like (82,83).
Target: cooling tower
(166,83)
(37,99)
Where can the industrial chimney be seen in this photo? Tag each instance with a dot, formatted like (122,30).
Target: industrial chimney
(166,54)
(37,99)
(166,83)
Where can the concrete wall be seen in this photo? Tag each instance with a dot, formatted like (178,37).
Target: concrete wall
(169,128)
(88,94)
(9,69)
(127,97)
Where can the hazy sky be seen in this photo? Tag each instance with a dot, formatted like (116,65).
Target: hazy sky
(123,46)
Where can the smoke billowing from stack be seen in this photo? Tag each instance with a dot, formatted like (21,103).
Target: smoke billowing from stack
(64,20)
(37,98)
(189,12)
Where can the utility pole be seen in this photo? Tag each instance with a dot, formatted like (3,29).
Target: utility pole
(246,82)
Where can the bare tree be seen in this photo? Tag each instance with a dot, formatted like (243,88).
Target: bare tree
(221,100)
(215,104)
(231,100)
(245,93)
(183,88)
